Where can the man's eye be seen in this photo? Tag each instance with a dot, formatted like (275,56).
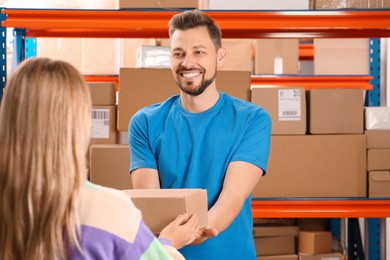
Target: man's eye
(177,55)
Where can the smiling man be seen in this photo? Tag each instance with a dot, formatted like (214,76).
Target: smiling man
(203,138)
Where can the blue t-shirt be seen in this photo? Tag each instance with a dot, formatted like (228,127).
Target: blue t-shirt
(193,150)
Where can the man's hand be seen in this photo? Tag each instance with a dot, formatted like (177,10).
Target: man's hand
(204,234)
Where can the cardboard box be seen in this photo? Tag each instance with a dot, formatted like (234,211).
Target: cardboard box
(341,56)
(312,224)
(378,139)
(278,257)
(103,124)
(378,159)
(315,166)
(274,230)
(67,49)
(238,55)
(110,165)
(377,118)
(335,111)
(101,56)
(336,4)
(379,184)
(276,56)
(286,106)
(153,57)
(102,93)
(329,256)
(317,242)
(160,207)
(142,87)
(129,48)
(280,245)
(259,5)
(199,4)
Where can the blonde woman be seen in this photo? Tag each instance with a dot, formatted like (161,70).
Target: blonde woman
(48,208)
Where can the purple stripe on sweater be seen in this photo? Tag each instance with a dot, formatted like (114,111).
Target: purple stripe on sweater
(100,244)
(165,241)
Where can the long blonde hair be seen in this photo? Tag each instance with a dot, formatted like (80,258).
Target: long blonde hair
(44,135)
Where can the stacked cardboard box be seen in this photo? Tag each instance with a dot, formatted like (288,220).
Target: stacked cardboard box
(103,129)
(316,246)
(378,151)
(275,240)
(110,165)
(323,156)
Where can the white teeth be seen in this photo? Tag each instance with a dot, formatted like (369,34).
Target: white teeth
(190,75)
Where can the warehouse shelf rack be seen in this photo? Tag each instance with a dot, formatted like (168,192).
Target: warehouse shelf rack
(234,24)
(135,23)
(321,208)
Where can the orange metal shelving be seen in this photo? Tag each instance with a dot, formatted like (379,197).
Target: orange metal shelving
(311,82)
(372,23)
(354,208)
(234,24)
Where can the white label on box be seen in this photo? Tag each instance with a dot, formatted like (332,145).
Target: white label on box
(289,104)
(100,123)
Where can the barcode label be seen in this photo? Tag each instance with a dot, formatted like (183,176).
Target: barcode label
(100,114)
(100,127)
(289,113)
(289,104)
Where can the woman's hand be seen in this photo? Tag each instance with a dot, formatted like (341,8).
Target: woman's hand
(182,231)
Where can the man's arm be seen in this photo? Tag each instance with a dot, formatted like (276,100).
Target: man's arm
(145,178)
(240,180)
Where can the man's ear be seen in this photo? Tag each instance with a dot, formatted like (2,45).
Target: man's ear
(221,54)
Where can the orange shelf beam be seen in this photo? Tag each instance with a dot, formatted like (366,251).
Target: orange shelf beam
(321,208)
(98,78)
(314,82)
(308,82)
(306,51)
(369,23)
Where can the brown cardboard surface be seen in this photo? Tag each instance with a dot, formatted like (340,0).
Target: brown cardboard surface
(278,257)
(329,256)
(274,230)
(335,4)
(378,139)
(312,224)
(277,105)
(110,165)
(379,184)
(102,93)
(336,111)
(238,55)
(378,159)
(101,56)
(341,56)
(129,50)
(276,56)
(200,4)
(280,245)
(159,207)
(142,87)
(67,49)
(315,166)
(103,123)
(316,242)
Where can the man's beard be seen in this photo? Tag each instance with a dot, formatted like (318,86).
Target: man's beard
(199,89)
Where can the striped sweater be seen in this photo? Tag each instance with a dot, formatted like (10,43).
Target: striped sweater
(112,228)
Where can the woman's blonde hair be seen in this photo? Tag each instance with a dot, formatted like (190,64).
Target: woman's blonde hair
(44,135)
